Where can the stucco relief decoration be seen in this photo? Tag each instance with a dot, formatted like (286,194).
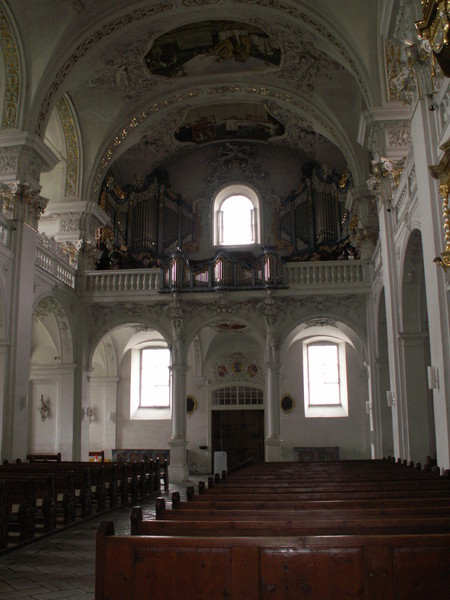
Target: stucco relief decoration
(69,222)
(9,158)
(223,306)
(160,141)
(303,63)
(209,47)
(234,159)
(124,72)
(12,65)
(48,306)
(400,77)
(109,28)
(70,136)
(126,313)
(24,203)
(385,178)
(236,366)
(292,12)
(399,137)
(350,308)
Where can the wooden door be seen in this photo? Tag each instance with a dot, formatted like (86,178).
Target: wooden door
(239,433)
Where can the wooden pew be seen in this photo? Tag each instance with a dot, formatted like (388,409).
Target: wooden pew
(392,567)
(59,493)
(342,522)
(44,457)
(375,532)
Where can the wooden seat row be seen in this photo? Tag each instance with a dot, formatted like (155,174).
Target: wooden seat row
(386,537)
(42,496)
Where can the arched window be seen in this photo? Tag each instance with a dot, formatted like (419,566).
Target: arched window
(325,378)
(236,217)
(155,378)
(150,380)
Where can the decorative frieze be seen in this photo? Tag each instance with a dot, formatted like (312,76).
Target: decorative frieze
(72,153)
(12,73)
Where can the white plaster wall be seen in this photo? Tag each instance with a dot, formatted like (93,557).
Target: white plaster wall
(137,433)
(350,433)
(42,435)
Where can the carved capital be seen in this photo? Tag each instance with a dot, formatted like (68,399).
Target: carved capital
(23,157)
(20,201)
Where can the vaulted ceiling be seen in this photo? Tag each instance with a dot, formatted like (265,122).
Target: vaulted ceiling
(153,82)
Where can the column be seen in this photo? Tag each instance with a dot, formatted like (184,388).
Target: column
(273,432)
(25,158)
(178,469)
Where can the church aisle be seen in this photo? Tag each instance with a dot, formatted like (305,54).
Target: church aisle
(62,566)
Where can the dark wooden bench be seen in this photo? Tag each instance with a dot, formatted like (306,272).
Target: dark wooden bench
(392,567)
(375,532)
(337,522)
(59,493)
(44,457)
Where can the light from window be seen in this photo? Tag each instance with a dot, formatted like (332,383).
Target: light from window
(155,378)
(236,216)
(236,221)
(325,379)
(323,374)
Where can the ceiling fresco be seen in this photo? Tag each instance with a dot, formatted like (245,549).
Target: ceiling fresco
(149,85)
(211,47)
(248,121)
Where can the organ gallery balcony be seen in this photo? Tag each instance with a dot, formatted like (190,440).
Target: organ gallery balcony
(224,274)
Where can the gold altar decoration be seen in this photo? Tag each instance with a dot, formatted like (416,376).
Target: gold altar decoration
(442,172)
(433,29)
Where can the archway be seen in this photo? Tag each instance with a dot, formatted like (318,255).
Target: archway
(51,381)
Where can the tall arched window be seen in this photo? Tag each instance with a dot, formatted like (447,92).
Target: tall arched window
(236,216)
(325,377)
(150,379)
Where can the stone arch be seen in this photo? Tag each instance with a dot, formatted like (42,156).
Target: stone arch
(348,428)
(112,423)
(52,316)
(51,379)
(63,137)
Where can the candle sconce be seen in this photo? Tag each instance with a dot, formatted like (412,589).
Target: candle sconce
(90,414)
(44,408)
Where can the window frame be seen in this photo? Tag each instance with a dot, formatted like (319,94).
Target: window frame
(321,409)
(218,221)
(139,411)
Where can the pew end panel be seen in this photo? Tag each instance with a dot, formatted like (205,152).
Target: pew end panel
(404,567)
